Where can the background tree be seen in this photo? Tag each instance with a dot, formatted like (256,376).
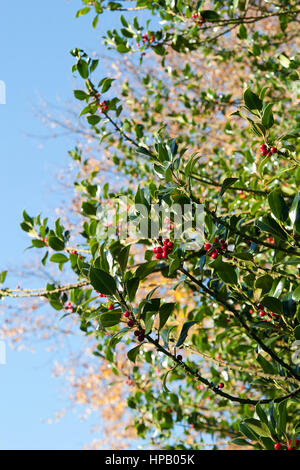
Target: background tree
(203,110)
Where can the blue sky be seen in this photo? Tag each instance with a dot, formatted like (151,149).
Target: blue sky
(36,38)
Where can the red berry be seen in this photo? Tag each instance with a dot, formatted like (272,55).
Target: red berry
(216,240)
(251,311)
(159,249)
(166,241)
(137,333)
(141,338)
(221,385)
(273,150)
(158,256)
(289,442)
(179,357)
(110,307)
(260,306)
(170,245)
(207,246)
(165,255)
(222,240)
(127,314)
(130,382)
(214,255)
(103,106)
(262,313)
(130,323)
(277,446)
(263,147)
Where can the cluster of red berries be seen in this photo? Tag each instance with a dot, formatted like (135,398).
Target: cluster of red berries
(278,445)
(140,334)
(264,150)
(261,310)
(242,194)
(289,442)
(215,252)
(200,387)
(162,252)
(146,38)
(103,106)
(100,295)
(262,313)
(198,17)
(70,307)
(74,252)
(271,240)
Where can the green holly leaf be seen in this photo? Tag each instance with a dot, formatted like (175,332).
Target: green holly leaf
(268,119)
(226,272)
(59,258)
(133,353)
(102,281)
(278,206)
(252,101)
(184,332)
(109,319)
(210,15)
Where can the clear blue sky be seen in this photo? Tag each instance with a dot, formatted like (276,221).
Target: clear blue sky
(36,38)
